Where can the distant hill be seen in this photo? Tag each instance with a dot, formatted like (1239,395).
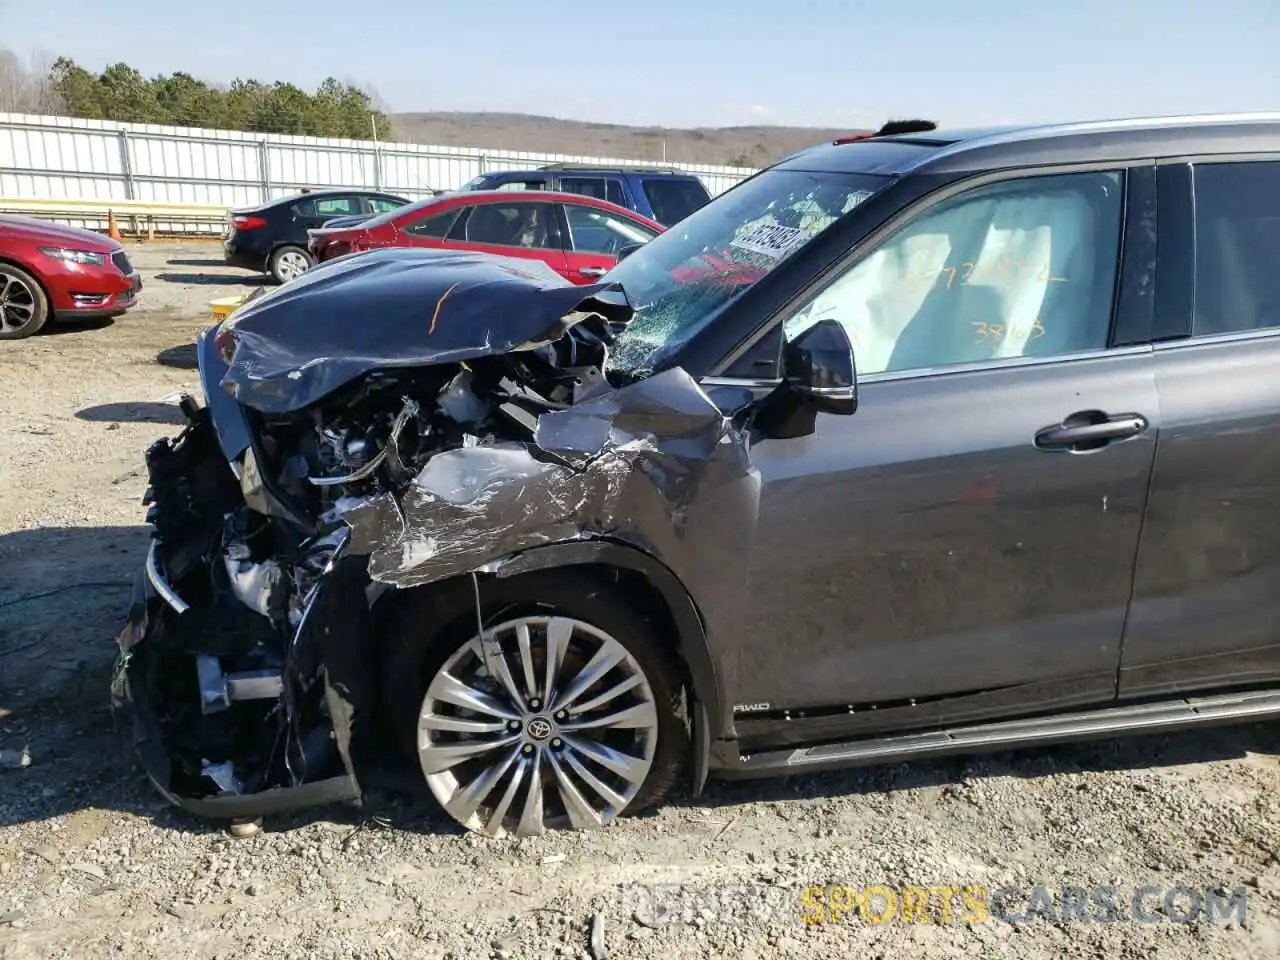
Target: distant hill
(735,146)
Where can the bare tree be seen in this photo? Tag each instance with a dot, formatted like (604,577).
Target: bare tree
(375,98)
(29,87)
(13,83)
(383,128)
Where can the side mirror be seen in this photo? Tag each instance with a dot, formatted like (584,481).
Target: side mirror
(818,364)
(628,249)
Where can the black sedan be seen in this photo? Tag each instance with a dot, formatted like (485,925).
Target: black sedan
(272,238)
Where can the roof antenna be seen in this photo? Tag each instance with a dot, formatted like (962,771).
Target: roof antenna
(895,127)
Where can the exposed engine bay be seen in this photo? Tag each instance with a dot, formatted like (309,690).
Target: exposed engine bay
(378,434)
(340,472)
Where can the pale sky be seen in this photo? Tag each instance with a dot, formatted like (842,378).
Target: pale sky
(706,62)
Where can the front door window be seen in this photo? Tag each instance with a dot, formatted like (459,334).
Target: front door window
(1017,269)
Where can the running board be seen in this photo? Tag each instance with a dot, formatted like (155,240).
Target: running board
(1016,734)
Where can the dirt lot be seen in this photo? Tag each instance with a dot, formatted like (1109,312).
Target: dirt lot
(92,864)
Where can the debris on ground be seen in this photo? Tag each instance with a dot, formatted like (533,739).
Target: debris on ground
(596,942)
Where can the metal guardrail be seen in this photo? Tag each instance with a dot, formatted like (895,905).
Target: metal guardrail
(136,217)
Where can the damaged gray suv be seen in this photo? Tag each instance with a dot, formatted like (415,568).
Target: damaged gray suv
(563,548)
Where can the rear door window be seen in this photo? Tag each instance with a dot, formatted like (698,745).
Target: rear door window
(674,198)
(614,192)
(512,225)
(1237,247)
(383,204)
(435,226)
(602,188)
(586,186)
(330,207)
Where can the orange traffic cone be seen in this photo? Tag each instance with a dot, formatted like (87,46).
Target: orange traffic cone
(112,230)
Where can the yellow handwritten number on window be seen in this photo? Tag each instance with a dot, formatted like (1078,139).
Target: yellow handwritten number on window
(1003,268)
(999,331)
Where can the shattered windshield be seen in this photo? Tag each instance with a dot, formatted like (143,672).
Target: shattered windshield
(679,280)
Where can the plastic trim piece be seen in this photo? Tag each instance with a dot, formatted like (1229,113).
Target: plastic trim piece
(160,585)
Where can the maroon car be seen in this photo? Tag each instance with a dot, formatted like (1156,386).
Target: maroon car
(51,271)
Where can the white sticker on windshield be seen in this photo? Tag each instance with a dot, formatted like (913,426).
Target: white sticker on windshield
(855,199)
(770,239)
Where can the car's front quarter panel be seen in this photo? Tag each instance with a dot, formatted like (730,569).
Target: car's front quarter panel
(680,493)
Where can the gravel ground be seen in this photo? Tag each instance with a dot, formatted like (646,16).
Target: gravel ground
(93,864)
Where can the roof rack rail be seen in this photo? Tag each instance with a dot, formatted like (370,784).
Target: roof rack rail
(629,167)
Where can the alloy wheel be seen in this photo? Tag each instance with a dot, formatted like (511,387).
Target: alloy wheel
(292,265)
(543,722)
(17,304)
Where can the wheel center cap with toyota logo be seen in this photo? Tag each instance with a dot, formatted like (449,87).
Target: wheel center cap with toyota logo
(538,728)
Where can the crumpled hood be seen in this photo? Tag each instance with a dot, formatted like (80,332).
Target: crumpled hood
(399,307)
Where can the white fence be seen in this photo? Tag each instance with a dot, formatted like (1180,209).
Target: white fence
(99,160)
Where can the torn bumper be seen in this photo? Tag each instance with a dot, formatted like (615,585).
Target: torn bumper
(147,739)
(147,743)
(229,717)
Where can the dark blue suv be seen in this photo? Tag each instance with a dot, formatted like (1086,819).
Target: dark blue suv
(664,194)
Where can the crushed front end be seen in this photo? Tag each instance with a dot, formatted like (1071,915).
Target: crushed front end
(383,423)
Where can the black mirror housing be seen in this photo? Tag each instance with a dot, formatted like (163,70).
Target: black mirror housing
(628,249)
(819,364)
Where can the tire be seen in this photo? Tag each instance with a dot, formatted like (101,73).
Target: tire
(24,308)
(416,664)
(289,262)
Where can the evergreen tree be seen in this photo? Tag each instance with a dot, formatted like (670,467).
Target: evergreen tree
(120,92)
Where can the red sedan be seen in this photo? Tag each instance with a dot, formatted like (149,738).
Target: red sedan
(577,236)
(48,270)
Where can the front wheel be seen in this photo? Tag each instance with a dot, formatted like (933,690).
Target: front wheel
(289,263)
(23,305)
(560,715)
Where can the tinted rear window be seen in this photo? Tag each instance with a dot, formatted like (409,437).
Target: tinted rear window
(673,200)
(602,188)
(329,207)
(1237,246)
(383,204)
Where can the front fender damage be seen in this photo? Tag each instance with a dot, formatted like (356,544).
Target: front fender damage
(645,465)
(655,467)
